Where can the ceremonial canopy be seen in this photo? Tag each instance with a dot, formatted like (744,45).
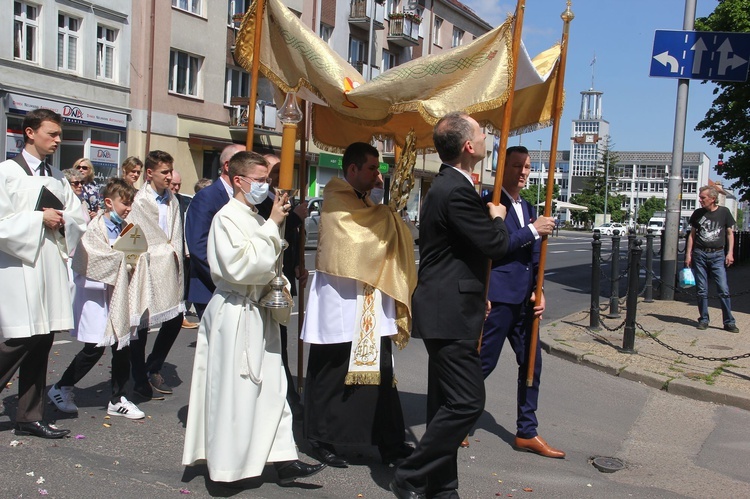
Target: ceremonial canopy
(474,78)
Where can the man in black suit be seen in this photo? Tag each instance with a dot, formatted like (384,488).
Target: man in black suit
(512,294)
(290,268)
(183,202)
(458,236)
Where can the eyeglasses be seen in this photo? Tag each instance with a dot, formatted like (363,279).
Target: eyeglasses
(257,180)
(76,183)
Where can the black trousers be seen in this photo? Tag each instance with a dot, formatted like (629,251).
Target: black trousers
(455,400)
(336,413)
(291,393)
(29,356)
(142,367)
(87,358)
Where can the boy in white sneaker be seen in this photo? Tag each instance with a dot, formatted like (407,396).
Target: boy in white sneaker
(102,306)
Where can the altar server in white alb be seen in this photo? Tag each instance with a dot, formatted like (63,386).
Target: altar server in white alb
(36,236)
(238,418)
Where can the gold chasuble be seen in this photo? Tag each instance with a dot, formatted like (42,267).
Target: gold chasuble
(368,243)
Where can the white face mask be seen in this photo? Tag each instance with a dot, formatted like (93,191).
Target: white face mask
(376,194)
(258,193)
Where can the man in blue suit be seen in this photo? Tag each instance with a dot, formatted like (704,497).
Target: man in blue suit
(512,294)
(206,203)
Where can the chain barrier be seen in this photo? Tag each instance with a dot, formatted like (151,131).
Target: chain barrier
(613,329)
(689,355)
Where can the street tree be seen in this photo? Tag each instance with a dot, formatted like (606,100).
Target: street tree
(727,124)
(529,193)
(599,188)
(648,208)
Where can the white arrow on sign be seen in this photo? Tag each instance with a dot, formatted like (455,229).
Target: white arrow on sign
(664,58)
(728,62)
(698,47)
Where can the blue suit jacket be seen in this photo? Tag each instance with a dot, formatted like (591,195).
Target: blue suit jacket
(514,276)
(206,203)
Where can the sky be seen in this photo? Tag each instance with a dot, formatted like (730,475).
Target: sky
(640,109)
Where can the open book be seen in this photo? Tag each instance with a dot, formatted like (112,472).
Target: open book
(132,242)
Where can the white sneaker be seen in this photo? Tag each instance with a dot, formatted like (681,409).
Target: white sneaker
(125,408)
(63,398)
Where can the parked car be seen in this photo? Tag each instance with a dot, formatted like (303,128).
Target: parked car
(312,222)
(608,228)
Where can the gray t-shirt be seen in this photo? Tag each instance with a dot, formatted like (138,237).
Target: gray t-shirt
(711,227)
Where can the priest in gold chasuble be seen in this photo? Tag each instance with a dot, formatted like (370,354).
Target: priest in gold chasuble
(359,305)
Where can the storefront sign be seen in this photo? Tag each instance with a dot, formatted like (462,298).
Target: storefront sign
(71,112)
(105,158)
(13,144)
(328,160)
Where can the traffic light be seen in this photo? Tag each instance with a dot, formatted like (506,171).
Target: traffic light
(720,163)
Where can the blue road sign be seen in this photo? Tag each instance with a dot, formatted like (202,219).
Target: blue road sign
(701,55)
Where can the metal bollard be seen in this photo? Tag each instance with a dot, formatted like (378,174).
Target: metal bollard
(614,297)
(648,294)
(631,238)
(596,259)
(628,339)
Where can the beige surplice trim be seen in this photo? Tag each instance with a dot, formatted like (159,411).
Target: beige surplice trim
(364,359)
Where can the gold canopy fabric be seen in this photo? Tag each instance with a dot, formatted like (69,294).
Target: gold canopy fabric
(474,78)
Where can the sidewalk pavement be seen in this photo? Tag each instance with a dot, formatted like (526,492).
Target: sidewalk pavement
(674,323)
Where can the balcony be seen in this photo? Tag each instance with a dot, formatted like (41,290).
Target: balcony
(361,13)
(403,31)
(265,114)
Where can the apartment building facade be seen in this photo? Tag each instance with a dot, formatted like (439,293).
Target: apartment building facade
(72,57)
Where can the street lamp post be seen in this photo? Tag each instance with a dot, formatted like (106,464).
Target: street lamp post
(606,182)
(539,180)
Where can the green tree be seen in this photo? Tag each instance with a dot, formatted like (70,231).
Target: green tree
(726,124)
(648,208)
(600,185)
(529,194)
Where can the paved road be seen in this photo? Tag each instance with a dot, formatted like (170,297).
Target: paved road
(673,447)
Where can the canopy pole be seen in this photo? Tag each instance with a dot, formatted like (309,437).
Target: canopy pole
(507,114)
(566,16)
(253,97)
(302,185)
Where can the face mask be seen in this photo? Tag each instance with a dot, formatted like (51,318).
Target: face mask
(258,193)
(376,194)
(116,218)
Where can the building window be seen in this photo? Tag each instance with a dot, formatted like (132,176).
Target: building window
(390,6)
(389,60)
(67,42)
(458,36)
(25,31)
(437,25)
(105,52)
(236,7)
(357,53)
(183,73)
(326,32)
(237,85)
(193,6)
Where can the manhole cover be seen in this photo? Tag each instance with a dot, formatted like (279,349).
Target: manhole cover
(718,347)
(607,464)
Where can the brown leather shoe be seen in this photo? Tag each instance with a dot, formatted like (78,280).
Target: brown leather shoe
(537,445)
(465,442)
(186,324)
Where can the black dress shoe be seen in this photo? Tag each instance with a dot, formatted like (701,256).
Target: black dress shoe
(392,455)
(404,493)
(326,453)
(40,429)
(292,470)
